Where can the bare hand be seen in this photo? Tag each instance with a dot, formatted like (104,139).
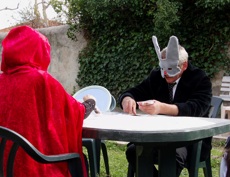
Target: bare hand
(150,106)
(129,105)
(86,97)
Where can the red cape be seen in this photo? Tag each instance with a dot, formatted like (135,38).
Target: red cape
(36,105)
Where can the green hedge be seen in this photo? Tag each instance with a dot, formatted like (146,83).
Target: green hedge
(120,52)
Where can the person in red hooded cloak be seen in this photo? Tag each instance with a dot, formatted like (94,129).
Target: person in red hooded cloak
(35,105)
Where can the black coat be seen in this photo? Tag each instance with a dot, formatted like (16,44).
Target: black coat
(193,94)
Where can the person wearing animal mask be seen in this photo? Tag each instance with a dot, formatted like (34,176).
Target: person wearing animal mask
(176,88)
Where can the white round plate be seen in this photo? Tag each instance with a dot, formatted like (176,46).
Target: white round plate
(102,95)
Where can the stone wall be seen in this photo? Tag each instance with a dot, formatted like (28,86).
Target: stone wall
(64,53)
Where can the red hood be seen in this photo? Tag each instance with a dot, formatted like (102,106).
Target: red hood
(19,50)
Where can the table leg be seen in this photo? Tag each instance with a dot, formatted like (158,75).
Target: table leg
(144,161)
(167,162)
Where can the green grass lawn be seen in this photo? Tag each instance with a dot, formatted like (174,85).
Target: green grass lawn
(118,164)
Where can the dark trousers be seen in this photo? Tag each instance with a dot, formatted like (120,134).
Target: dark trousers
(181,159)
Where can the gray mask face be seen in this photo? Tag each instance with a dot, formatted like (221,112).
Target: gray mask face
(168,65)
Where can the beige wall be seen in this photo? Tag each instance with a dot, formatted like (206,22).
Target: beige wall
(64,55)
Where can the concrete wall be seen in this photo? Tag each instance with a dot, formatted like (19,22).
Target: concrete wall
(64,55)
(64,58)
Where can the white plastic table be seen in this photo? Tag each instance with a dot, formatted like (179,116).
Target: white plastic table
(146,131)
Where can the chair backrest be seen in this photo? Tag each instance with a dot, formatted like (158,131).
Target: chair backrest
(194,163)
(215,107)
(225,88)
(73,159)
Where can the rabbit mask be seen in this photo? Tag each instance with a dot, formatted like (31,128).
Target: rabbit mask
(170,63)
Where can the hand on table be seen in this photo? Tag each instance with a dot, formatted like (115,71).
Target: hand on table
(129,105)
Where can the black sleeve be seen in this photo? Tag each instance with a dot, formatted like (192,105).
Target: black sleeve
(89,107)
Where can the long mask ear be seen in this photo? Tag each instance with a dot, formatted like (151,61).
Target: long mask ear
(172,57)
(158,51)
(156,46)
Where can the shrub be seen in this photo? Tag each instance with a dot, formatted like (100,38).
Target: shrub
(120,52)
